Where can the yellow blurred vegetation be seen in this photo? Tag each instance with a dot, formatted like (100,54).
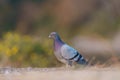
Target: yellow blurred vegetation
(23,51)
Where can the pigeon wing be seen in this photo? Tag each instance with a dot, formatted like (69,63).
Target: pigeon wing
(68,52)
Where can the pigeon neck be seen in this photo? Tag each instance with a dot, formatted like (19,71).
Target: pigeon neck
(57,43)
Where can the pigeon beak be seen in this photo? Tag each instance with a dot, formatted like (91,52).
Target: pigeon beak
(49,36)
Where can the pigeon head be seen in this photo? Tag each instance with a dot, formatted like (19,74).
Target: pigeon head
(57,41)
(54,35)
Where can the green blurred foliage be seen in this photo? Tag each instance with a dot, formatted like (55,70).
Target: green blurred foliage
(43,16)
(22,51)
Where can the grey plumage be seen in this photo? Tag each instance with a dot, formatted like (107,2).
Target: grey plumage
(65,53)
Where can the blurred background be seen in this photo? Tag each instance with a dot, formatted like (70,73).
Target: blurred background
(90,26)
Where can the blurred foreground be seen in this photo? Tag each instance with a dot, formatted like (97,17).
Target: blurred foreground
(61,74)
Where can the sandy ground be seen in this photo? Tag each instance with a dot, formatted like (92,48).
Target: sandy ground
(60,74)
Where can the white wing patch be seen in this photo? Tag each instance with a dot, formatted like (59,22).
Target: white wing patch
(68,52)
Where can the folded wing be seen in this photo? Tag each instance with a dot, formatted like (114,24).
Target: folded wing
(68,52)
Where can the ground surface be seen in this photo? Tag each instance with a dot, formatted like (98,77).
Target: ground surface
(60,74)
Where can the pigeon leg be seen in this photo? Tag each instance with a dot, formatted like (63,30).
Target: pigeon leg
(69,63)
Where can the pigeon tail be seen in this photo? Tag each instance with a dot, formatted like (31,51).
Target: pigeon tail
(82,61)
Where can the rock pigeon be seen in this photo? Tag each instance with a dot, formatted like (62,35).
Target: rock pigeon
(65,53)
